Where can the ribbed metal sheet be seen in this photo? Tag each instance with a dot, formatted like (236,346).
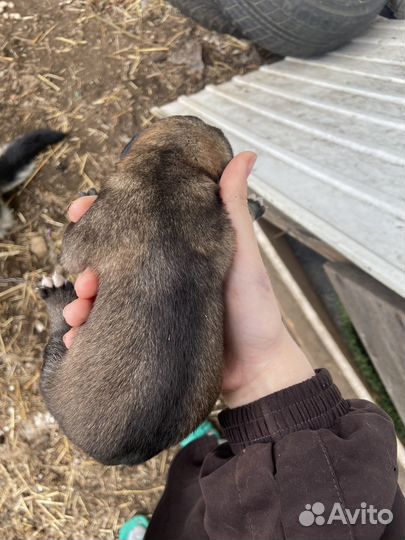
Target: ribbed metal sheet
(330,136)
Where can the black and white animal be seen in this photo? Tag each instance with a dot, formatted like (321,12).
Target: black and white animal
(17,163)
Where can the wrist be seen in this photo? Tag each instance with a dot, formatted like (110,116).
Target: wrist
(284,365)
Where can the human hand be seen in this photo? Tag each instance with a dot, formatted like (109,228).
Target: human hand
(260,355)
(86,285)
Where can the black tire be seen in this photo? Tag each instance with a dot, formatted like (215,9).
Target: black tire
(209,14)
(287,27)
(398,8)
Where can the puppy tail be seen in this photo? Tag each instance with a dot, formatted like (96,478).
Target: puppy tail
(16,159)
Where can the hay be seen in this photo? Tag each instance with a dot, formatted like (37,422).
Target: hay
(93,69)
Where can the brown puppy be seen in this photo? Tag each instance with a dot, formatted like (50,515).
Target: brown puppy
(145,369)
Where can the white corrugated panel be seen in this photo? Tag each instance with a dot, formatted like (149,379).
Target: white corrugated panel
(330,135)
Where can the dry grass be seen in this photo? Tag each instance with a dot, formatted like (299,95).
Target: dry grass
(94,69)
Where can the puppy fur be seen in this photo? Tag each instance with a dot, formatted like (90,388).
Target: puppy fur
(145,369)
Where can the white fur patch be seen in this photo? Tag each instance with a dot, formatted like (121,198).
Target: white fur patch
(47,282)
(56,280)
(22,175)
(6,219)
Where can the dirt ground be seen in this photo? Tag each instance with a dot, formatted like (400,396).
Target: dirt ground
(93,69)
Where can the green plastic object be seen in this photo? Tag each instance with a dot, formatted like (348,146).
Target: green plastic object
(206,428)
(134,528)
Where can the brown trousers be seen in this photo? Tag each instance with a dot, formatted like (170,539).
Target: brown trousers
(300,464)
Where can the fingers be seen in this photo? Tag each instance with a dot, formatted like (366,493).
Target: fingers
(69,337)
(86,285)
(77,312)
(80,207)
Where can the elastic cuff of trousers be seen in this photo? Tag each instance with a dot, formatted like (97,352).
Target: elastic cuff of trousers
(312,404)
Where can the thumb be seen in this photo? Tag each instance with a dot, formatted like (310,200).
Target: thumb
(234,180)
(233,185)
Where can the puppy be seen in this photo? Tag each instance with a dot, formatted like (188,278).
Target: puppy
(17,164)
(145,369)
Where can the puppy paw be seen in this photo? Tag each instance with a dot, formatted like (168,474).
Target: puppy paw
(57,293)
(91,191)
(56,289)
(256,207)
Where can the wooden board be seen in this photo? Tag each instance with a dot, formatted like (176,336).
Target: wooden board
(378,315)
(308,321)
(294,229)
(293,311)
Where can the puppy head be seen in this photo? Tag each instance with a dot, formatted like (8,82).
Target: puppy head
(185,138)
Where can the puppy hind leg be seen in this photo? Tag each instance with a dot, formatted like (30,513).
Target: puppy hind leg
(57,293)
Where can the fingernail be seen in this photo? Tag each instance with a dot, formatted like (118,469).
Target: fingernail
(88,273)
(251,164)
(66,341)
